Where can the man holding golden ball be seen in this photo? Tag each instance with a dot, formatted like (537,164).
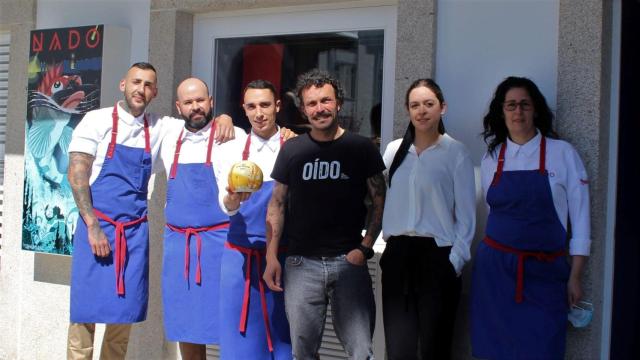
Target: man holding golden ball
(253,321)
(245,177)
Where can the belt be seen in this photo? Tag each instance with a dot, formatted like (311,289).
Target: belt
(522,256)
(188,231)
(258,254)
(120,252)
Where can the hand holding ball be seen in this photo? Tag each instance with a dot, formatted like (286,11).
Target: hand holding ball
(245,176)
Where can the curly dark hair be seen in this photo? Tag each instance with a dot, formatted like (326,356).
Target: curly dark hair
(410,134)
(495,130)
(317,78)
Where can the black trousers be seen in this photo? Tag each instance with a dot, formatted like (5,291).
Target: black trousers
(420,295)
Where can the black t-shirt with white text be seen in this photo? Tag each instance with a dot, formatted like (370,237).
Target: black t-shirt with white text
(326,181)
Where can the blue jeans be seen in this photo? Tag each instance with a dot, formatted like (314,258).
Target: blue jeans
(311,283)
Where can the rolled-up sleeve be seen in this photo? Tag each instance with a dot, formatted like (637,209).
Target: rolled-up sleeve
(578,203)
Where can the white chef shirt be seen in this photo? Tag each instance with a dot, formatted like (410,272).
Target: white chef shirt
(433,195)
(93,134)
(193,148)
(263,152)
(567,178)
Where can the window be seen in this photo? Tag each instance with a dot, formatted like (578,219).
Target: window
(354,57)
(355,44)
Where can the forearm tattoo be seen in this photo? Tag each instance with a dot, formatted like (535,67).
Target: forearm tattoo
(275,213)
(377,189)
(79,174)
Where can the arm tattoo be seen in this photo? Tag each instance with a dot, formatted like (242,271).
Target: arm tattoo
(79,174)
(377,190)
(275,215)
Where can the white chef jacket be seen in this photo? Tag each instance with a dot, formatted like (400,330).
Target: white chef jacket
(263,152)
(93,134)
(567,178)
(433,195)
(193,148)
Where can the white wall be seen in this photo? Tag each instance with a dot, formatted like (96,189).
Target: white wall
(131,14)
(479,43)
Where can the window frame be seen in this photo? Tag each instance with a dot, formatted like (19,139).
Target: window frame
(298,20)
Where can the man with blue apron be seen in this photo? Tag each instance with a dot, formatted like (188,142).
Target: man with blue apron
(253,321)
(519,286)
(196,227)
(109,168)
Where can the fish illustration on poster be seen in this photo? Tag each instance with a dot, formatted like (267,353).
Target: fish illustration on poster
(65,68)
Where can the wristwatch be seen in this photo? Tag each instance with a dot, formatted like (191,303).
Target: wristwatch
(367,251)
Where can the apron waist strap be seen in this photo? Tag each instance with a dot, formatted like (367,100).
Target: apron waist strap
(120,252)
(258,254)
(188,231)
(522,256)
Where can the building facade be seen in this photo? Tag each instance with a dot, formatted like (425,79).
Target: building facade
(570,48)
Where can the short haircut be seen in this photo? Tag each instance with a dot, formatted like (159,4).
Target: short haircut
(261,84)
(143,66)
(318,78)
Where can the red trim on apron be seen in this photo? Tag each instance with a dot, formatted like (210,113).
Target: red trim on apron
(258,254)
(187,234)
(176,154)
(503,148)
(114,133)
(522,256)
(120,252)
(247,145)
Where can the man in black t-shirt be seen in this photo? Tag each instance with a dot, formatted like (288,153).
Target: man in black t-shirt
(317,203)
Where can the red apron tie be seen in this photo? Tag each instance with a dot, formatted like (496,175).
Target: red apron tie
(503,148)
(258,254)
(188,232)
(120,252)
(176,154)
(114,133)
(247,146)
(522,256)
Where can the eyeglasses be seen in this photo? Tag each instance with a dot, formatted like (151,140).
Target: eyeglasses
(512,105)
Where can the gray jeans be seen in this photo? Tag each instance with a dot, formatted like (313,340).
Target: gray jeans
(311,283)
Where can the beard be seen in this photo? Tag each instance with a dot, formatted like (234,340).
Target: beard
(130,106)
(194,124)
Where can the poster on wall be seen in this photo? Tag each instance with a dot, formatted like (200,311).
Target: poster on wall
(64,70)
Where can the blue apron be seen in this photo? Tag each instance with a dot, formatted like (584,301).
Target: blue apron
(519,285)
(114,289)
(253,321)
(193,241)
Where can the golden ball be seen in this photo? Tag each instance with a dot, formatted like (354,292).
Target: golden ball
(245,176)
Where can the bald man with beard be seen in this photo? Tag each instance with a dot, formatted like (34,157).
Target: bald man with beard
(196,228)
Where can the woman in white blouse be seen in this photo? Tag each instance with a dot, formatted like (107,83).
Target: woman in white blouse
(534,183)
(428,223)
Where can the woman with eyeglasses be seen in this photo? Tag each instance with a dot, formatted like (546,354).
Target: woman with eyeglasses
(428,224)
(535,187)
